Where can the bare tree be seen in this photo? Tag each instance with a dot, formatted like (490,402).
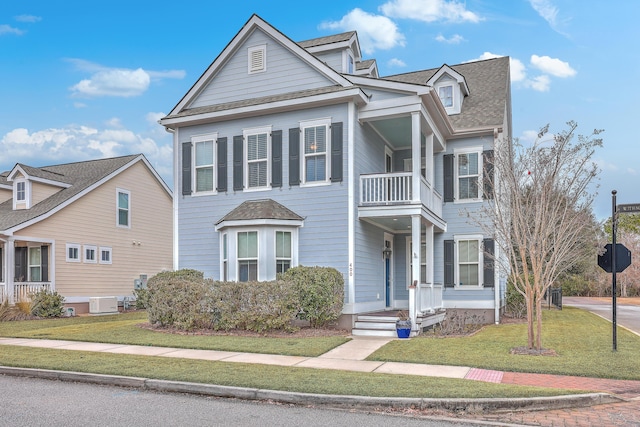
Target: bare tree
(542,211)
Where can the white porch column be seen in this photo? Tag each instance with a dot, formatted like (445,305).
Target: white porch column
(11,267)
(429,158)
(415,267)
(428,234)
(416,157)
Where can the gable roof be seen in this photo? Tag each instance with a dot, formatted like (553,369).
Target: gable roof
(255,22)
(489,87)
(81,178)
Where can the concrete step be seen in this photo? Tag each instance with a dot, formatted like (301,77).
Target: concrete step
(375,325)
(374,333)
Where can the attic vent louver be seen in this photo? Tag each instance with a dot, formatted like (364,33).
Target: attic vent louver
(257,59)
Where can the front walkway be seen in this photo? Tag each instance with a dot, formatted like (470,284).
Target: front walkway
(350,356)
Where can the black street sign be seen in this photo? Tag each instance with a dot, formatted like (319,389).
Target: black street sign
(623,258)
(631,208)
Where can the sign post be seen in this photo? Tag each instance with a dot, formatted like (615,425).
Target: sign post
(616,257)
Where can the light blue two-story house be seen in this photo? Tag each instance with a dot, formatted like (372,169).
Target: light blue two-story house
(298,153)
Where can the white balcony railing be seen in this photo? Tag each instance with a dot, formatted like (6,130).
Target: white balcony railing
(22,290)
(429,297)
(396,188)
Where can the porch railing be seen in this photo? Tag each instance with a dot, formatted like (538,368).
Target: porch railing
(396,188)
(385,188)
(22,291)
(3,293)
(429,297)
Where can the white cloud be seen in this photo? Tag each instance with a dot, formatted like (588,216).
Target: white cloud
(121,82)
(529,136)
(552,66)
(78,143)
(374,31)
(454,39)
(152,118)
(632,171)
(517,68)
(7,29)
(550,13)
(540,83)
(28,18)
(395,62)
(429,10)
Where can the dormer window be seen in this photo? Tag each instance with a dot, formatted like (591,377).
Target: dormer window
(350,64)
(257,59)
(446,95)
(21,191)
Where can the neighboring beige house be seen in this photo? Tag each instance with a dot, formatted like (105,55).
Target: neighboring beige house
(85,229)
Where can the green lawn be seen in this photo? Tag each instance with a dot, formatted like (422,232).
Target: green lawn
(122,329)
(582,341)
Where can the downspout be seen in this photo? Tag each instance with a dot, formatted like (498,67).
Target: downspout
(351,280)
(496,250)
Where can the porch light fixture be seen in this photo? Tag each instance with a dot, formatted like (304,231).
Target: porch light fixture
(386,253)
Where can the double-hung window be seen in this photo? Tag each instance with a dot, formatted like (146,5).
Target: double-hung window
(257,149)
(247,256)
(203,159)
(35,266)
(21,191)
(123,216)
(468,167)
(315,143)
(446,95)
(283,251)
(469,261)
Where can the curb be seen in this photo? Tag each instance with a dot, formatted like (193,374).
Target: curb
(331,400)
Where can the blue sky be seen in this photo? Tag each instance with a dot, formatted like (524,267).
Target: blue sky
(82,82)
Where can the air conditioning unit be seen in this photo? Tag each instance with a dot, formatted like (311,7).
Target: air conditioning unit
(103,305)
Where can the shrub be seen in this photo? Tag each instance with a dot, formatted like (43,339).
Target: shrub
(320,293)
(177,298)
(515,305)
(253,306)
(45,303)
(142,298)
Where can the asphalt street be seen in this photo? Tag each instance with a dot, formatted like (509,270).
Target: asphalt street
(627,315)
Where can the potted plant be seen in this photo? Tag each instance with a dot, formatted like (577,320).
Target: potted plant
(403,324)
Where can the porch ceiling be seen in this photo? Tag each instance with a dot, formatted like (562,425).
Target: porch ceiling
(396,131)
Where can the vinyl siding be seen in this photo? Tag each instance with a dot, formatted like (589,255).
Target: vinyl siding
(91,220)
(323,237)
(5,195)
(332,59)
(40,191)
(285,73)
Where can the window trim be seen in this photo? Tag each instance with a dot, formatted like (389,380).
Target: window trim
(78,249)
(456,253)
(256,259)
(86,259)
(303,155)
(456,176)
(26,201)
(118,208)
(196,139)
(108,250)
(30,266)
(246,133)
(253,50)
(224,257)
(275,250)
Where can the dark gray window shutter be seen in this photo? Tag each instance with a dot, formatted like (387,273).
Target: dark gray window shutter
(487,161)
(1,264)
(449,266)
(489,263)
(336,152)
(276,158)
(447,166)
(20,274)
(222,164)
(44,263)
(186,168)
(294,156)
(238,161)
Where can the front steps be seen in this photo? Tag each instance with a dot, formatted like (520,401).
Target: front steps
(383,324)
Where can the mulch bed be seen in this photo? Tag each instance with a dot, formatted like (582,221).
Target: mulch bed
(303,332)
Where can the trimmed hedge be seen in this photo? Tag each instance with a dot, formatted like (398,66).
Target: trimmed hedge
(45,303)
(320,292)
(186,300)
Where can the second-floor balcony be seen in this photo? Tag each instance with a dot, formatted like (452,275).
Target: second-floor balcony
(396,189)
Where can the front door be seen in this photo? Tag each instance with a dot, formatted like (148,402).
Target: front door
(388,270)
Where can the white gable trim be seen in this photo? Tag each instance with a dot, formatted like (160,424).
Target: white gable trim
(445,69)
(391,85)
(61,206)
(256,22)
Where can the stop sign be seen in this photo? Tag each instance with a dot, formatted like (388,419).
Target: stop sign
(623,258)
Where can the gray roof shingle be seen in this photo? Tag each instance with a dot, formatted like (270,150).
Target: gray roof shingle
(335,38)
(80,176)
(488,83)
(260,209)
